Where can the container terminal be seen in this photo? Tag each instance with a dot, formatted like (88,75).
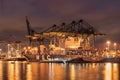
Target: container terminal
(71,42)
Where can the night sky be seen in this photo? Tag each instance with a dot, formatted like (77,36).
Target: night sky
(104,15)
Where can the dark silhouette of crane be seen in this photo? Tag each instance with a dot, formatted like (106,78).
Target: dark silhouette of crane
(31,32)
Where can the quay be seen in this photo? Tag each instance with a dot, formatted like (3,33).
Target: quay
(63,59)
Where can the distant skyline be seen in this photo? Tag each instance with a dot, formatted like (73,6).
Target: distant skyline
(104,15)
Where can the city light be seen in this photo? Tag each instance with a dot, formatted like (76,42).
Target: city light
(108,45)
(115,46)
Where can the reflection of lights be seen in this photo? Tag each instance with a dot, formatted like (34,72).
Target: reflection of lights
(29,72)
(51,71)
(58,70)
(17,70)
(1,70)
(108,71)
(115,72)
(111,71)
(72,72)
(93,65)
(11,71)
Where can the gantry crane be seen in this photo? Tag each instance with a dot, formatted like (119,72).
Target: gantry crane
(79,30)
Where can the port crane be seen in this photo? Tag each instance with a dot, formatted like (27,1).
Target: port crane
(58,34)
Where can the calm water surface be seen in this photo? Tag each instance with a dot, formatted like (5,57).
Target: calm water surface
(57,71)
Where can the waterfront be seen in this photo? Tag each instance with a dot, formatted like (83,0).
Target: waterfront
(58,71)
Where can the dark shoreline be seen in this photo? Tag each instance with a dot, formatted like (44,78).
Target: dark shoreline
(76,60)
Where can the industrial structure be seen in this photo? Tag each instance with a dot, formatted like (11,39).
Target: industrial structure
(71,36)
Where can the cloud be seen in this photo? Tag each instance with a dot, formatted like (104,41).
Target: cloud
(103,14)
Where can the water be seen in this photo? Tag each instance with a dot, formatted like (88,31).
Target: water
(57,71)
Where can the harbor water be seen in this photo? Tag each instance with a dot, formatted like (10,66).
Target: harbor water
(58,71)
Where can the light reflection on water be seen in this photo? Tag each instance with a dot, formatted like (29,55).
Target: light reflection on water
(56,71)
(28,72)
